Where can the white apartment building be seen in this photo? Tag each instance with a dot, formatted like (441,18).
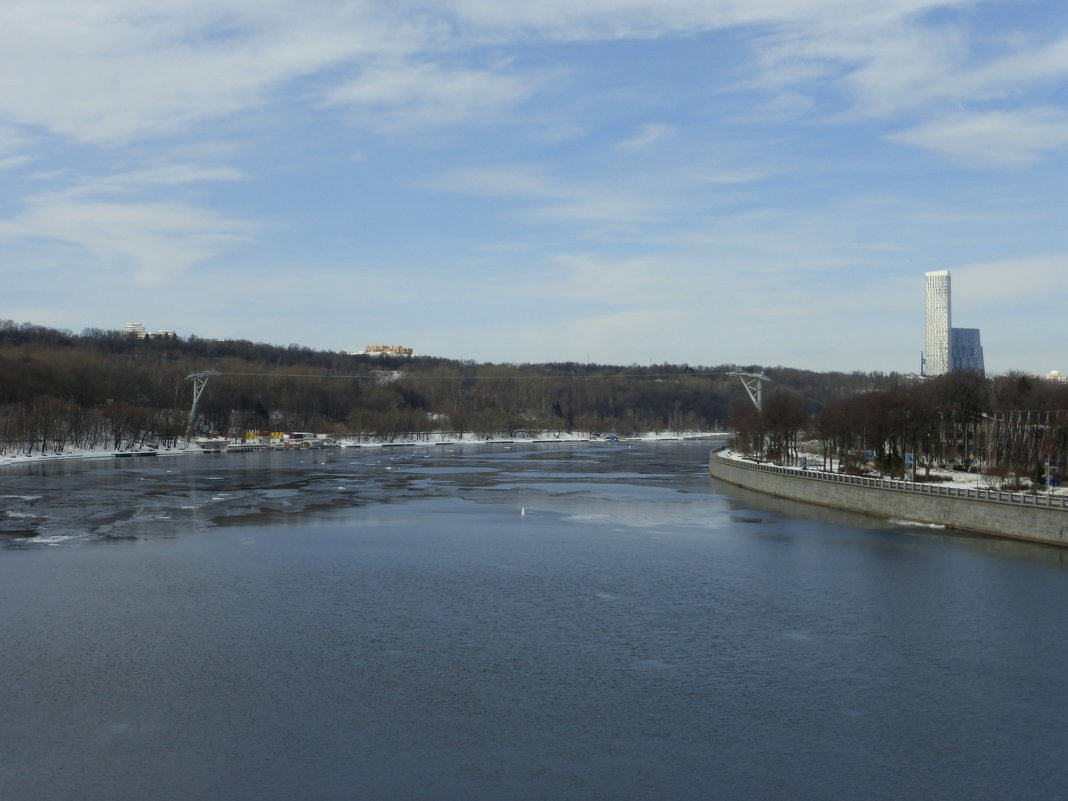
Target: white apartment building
(938,323)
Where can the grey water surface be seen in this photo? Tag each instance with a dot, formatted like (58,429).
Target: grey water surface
(574,621)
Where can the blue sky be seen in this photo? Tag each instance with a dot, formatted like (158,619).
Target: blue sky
(701,181)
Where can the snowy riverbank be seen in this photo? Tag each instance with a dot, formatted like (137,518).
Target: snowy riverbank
(544,438)
(947,478)
(1036,517)
(442,438)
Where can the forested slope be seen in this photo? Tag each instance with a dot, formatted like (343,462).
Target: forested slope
(106,389)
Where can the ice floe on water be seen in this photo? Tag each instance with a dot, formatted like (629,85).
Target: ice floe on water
(123,498)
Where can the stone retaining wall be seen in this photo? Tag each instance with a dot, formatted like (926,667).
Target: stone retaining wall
(1025,516)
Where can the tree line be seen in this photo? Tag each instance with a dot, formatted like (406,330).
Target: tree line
(1010,430)
(105,388)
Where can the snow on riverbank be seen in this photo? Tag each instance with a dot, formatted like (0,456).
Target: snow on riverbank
(545,438)
(92,453)
(363,442)
(952,478)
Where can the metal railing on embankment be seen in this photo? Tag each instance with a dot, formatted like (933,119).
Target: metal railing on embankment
(1044,500)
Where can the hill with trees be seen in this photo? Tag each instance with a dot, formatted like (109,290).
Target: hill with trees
(110,389)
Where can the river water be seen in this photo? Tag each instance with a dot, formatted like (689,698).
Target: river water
(581,621)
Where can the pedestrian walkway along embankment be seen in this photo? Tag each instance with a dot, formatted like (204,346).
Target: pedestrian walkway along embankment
(1036,517)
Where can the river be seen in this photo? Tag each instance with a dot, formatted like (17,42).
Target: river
(572,621)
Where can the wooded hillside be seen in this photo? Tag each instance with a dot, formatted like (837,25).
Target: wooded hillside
(107,389)
(1011,429)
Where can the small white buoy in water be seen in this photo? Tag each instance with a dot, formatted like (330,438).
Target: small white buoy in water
(522,511)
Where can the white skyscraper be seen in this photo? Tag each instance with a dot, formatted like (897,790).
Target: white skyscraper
(939,323)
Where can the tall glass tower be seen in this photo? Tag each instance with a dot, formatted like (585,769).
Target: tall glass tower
(965,351)
(937,344)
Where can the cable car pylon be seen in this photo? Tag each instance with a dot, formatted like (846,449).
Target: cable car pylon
(753,383)
(200,380)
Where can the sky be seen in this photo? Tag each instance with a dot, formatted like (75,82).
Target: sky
(756,182)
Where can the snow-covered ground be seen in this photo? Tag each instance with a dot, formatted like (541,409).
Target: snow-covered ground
(89,453)
(444,438)
(373,442)
(945,477)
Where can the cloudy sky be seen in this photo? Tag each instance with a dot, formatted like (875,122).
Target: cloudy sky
(701,181)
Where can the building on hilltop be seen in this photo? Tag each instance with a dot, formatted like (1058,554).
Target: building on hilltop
(385,350)
(946,349)
(138,331)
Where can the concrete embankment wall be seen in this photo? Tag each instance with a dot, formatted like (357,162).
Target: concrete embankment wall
(1037,518)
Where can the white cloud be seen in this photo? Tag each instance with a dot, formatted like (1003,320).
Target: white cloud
(995,138)
(557,201)
(706,308)
(900,61)
(47,175)
(598,337)
(646,137)
(111,72)
(12,162)
(165,176)
(513,180)
(983,285)
(645,281)
(865,65)
(150,241)
(573,20)
(738,175)
(599,205)
(401,96)
(1028,63)
(11,139)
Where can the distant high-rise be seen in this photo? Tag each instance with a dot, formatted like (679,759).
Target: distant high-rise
(947,349)
(936,347)
(965,351)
